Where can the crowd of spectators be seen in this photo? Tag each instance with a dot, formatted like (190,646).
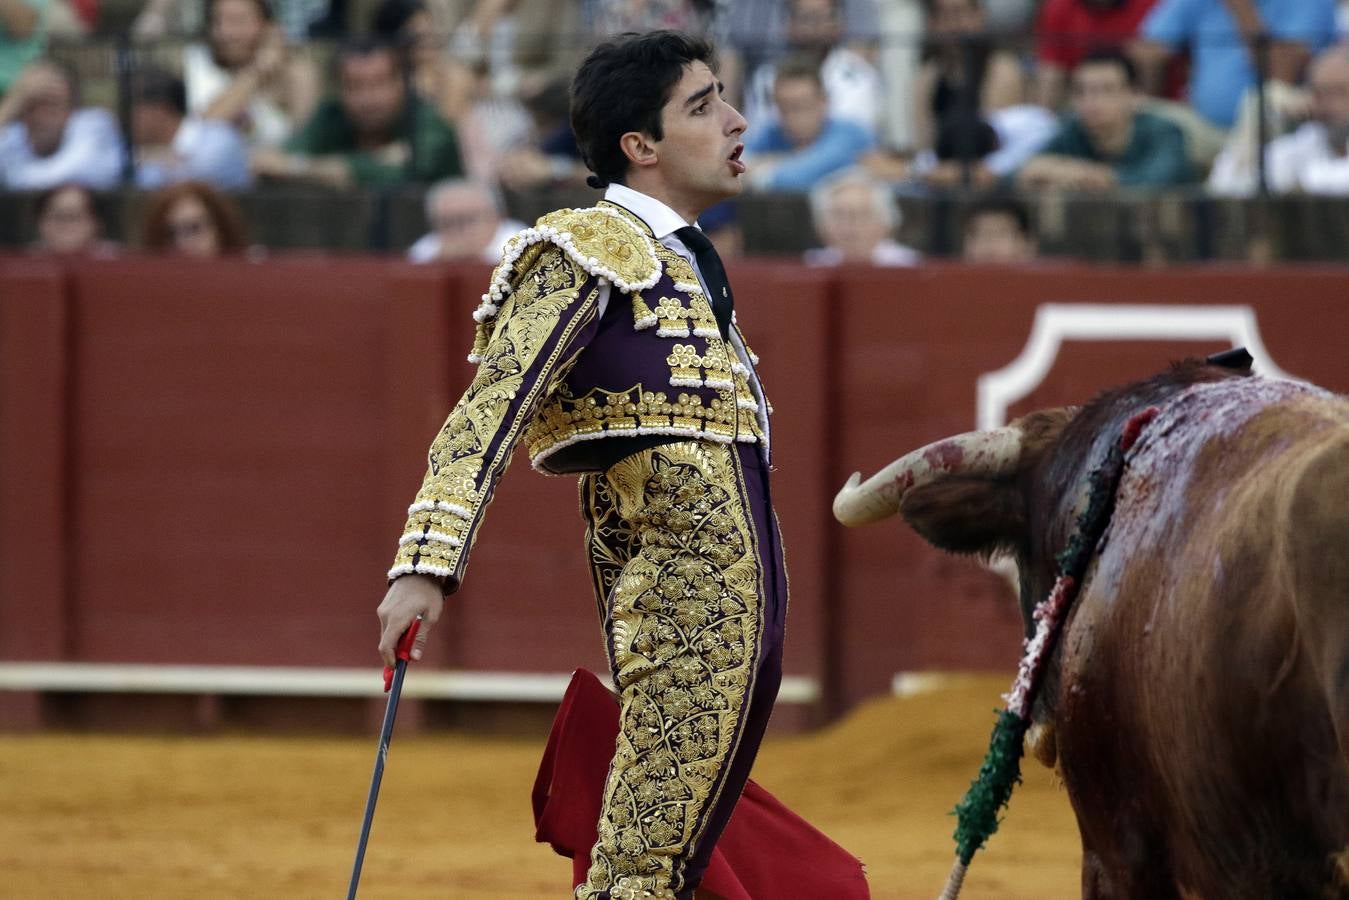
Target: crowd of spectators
(851,103)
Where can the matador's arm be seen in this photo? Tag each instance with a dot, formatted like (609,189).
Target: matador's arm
(542,323)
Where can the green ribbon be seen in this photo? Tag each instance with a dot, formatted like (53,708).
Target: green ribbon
(1000,772)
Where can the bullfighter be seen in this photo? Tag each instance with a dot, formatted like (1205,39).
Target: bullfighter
(607,344)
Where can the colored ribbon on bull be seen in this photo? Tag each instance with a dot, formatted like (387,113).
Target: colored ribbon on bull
(977,812)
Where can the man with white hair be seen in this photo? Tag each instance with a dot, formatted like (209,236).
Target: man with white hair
(1314,159)
(467,219)
(856,216)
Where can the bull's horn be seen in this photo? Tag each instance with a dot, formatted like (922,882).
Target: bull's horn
(992,454)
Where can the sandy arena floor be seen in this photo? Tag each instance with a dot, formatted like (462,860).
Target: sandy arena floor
(123,817)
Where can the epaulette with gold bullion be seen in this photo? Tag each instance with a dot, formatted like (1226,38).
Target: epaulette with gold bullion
(602,240)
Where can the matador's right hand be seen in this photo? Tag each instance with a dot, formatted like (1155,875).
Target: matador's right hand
(408,597)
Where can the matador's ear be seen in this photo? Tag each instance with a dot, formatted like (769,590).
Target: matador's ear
(638,147)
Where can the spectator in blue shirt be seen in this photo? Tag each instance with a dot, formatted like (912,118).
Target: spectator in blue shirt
(806,143)
(172,146)
(1219,42)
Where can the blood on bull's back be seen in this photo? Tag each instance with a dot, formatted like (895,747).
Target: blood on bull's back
(1201,713)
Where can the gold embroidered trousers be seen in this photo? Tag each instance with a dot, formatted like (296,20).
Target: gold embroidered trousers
(687,564)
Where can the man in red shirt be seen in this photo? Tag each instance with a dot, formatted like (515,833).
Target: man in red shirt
(1068,30)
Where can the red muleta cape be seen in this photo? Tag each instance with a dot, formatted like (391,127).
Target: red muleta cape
(767,852)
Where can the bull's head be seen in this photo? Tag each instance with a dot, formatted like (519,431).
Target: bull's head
(1017,489)
(972,493)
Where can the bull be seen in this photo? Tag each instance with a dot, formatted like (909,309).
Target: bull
(1197,705)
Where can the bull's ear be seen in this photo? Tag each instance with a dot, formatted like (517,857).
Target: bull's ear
(967,514)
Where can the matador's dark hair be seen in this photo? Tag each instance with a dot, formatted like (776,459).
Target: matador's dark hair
(621,87)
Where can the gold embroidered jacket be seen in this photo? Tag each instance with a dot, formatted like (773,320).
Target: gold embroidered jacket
(562,361)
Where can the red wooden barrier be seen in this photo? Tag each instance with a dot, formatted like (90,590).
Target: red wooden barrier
(34,555)
(209,463)
(33,483)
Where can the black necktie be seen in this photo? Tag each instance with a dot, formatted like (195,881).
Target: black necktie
(714,274)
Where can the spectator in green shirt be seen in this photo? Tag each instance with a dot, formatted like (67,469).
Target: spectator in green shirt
(376,133)
(1107,141)
(23,35)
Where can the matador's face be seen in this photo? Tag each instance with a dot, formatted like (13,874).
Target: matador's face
(699,154)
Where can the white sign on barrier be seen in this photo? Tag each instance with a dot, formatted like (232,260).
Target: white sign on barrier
(1058,322)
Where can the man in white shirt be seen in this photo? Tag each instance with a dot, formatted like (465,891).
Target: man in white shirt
(1314,159)
(467,219)
(171,146)
(46,141)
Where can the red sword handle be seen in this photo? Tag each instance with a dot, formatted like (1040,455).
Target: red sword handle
(403,651)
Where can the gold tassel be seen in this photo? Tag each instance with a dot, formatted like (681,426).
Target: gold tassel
(642,316)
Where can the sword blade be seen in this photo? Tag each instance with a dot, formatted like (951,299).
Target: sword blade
(386,732)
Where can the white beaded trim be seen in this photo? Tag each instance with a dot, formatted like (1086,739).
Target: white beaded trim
(462,512)
(439,537)
(515,248)
(739,368)
(666,331)
(688,287)
(420,568)
(746,403)
(645,322)
(683,381)
(674,430)
(719,383)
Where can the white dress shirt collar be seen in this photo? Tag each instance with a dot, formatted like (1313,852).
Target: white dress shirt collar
(662,220)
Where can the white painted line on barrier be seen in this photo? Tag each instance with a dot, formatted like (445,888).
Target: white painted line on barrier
(1056,322)
(296,681)
(908,684)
